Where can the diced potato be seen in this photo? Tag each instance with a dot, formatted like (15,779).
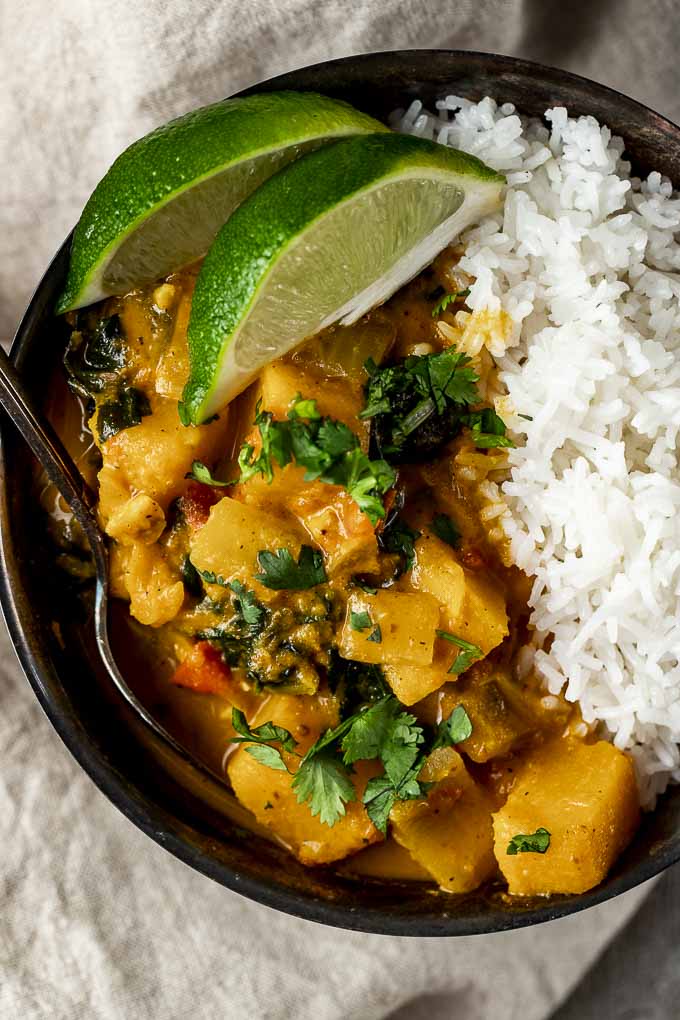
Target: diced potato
(281,382)
(154,456)
(585,795)
(270,797)
(156,595)
(139,519)
(413,683)
(233,536)
(449,832)
(407,623)
(473,604)
(337,526)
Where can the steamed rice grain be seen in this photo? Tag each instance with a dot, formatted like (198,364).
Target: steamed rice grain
(585,260)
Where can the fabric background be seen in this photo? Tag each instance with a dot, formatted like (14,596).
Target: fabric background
(99,923)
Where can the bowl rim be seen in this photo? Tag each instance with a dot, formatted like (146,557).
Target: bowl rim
(144,812)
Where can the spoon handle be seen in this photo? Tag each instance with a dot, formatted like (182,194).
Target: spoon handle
(57,463)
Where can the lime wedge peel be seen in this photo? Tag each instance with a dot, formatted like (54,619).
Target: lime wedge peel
(164,199)
(326,239)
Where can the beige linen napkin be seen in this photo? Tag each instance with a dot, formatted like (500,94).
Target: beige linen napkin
(99,923)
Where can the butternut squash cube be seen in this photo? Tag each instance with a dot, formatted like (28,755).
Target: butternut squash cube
(449,832)
(268,794)
(235,533)
(472,603)
(398,626)
(585,795)
(413,683)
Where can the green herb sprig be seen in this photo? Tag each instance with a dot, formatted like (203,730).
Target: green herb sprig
(382,731)
(532,843)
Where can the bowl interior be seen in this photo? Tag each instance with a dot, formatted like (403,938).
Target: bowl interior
(138,775)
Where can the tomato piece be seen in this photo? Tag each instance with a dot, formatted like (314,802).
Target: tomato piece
(195,504)
(203,670)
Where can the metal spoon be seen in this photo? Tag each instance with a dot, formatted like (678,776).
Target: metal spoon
(61,470)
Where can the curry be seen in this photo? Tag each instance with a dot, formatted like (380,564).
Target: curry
(319,581)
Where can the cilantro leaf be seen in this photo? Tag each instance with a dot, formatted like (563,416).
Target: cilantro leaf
(448,299)
(280,571)
(534,843)
(336,438)
(359,621)
(275,448)
(453,730)
(488,429)
(200,473)
(210,577)
(420,403)
(327,449)
(379,798)
(267,733)
(468,654)
(365,480)
(376,635)
(444,527)
(268,756)
(251,611)
(385,731)
(370,730)
(450,379)
(322,781)
(398,537)
(304,408)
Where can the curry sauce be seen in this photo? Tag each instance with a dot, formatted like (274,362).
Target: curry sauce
(320,586)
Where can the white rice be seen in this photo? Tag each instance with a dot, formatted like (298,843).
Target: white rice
(586,261)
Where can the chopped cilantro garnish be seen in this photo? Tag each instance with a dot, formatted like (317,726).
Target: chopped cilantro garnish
(279,569)
(454,729)
(327,449)
(533,843)
(448,299)
(422,402)
(210,577)
(324,783)
(261,734)
(246,604)
(383,731)
(468,654)
(488,430)
(359,621)
(200,473)
(445,528)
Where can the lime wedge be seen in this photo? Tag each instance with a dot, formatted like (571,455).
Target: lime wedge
(324,240)
(162,202)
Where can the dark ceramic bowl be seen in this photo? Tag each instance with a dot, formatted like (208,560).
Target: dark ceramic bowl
(143,780)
